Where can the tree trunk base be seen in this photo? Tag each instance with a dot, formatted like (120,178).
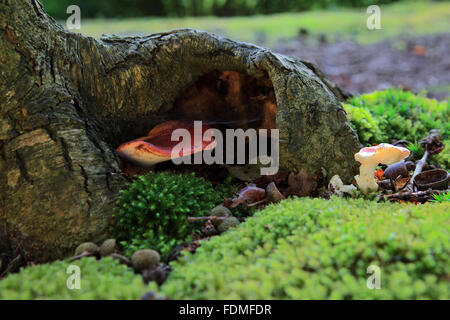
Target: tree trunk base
(68,101)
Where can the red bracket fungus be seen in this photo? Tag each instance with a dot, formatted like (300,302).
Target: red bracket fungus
(157,146)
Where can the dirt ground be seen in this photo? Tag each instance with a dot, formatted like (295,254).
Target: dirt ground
(414,63)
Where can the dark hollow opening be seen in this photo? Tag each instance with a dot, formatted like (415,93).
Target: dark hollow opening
(222,100)
(229,99)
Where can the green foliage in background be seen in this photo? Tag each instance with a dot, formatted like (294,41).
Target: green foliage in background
(391,114)
(444,157)
(406,18)
(181,8)
(416,149)
(152,211)
(365,124)
(319,249)
(102,279)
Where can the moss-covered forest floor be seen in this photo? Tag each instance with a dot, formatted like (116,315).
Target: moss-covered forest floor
(312,246)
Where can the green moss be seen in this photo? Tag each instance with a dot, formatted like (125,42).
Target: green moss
(382,116)
(102,279)
(441,197)
(416,149)
(365,124)
(152,212)
(444,157)
(318,249)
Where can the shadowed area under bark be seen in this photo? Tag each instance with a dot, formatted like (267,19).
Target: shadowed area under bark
(66,102)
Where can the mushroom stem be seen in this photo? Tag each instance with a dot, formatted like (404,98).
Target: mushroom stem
(366,180)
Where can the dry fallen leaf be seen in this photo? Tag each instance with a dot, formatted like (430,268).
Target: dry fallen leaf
(248,195)
(400,183)
(301,184)
(379,175)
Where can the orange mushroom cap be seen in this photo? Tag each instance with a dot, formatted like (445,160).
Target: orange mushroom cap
(383,153)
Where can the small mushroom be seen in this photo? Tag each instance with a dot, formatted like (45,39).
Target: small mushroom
(337,187)
(157,145)
(370,157)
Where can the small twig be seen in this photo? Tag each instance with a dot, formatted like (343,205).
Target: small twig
(420,196)
(82,255)
(419,167)
(393,184)
(12,265)
(256,203)
(433,145)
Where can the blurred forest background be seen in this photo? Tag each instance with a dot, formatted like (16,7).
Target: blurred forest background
(181,8)
(410,50)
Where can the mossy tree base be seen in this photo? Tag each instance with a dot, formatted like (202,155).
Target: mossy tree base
(68,100)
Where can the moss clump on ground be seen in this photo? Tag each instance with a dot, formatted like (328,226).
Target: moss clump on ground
(382,116)
(152,212)
(100,279)
(318,249)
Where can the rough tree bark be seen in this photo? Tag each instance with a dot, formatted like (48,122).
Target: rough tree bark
(66,101)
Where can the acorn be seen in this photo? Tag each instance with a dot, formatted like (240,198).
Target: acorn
(144,259)
(86,247)
(219,211)
(108,247)
(228,223)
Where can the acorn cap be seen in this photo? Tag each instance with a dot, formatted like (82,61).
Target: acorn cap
(228,223)
(144,259)
(86,246)
(219,211)
(108,247)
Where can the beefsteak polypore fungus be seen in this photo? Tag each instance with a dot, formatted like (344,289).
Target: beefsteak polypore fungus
(157,146)
(370,157)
